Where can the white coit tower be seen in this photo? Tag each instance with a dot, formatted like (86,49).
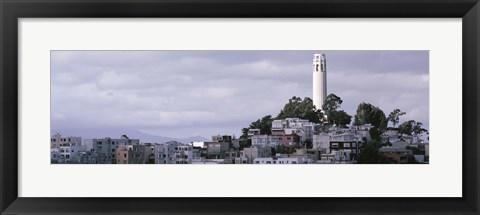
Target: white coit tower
(319,80)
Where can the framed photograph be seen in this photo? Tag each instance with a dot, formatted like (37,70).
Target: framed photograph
(228,107)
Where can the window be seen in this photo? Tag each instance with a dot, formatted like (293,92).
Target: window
(124,155)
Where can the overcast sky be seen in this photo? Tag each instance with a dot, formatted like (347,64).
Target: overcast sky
(189,93)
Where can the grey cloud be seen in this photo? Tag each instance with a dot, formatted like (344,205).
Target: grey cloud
(187,93)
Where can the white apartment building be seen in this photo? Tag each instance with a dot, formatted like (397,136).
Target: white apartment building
(70,154)
(265,140)
(247,155)
(302,127)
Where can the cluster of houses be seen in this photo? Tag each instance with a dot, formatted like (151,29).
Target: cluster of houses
(287,144)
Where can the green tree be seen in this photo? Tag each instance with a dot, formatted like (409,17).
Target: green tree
(394,116)
(369,114)
(411,127)
(331,103)
(375,134)
(335,117)
(370,154)
(264,124)
(303,109)
(406,127)
(245,143)
(339,118)
(418,128)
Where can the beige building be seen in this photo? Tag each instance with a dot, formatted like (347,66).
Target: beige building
(130,154)
(57,140)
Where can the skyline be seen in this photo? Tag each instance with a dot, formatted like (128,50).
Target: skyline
(181,94)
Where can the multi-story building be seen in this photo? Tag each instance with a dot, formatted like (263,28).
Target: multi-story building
(222,138)
(301,127)
(149,153)
(265,140)
(288,139)
(131,154)
(70,154)
(247,155)
(54,155)
(87,157)
(253,131)
(104,149)
(321,142)
(173,153)
(65,149)
(347,143)
(57,140)
(217,149)
(231,155)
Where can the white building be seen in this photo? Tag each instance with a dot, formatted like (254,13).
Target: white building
(321,142)
(247,155)
(173,153)
(319,80)
(265,140)
(301,127)
(70,154)
(253,131)
(65,149)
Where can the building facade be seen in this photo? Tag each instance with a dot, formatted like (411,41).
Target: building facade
(104,149)
(173,153)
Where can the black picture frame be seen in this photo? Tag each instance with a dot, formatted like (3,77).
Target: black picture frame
(12,10)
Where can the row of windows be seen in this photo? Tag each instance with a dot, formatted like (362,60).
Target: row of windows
(346,145)
(61,139)
(275,162)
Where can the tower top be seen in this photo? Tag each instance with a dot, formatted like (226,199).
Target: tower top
(319,58)
(319,63)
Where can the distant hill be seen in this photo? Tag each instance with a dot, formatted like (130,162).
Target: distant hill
(131,133)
